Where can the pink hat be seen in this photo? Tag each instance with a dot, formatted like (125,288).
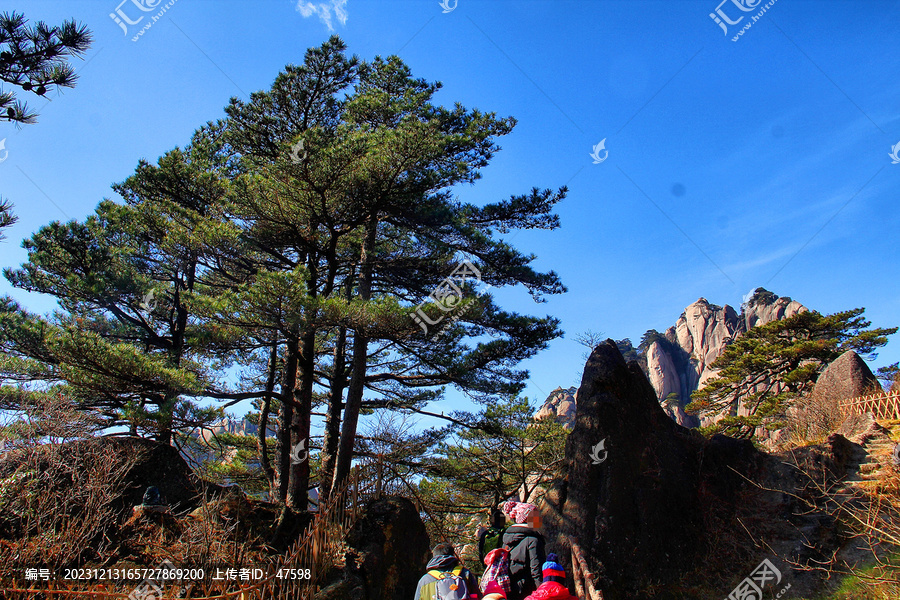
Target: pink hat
(518,511)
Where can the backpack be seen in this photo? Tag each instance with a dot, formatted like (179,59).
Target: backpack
(447,586)
(498,571)
(493,539)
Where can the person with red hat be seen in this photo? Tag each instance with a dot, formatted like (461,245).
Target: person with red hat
(554,585)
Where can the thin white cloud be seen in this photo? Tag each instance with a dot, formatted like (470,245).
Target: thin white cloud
(324,10)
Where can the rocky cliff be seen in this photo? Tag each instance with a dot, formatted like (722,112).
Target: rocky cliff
(682,362)
(679,361)
(669,514)
(560,405)
(847,377)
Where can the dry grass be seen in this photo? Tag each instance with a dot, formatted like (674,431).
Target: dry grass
(812,420)
(61,504)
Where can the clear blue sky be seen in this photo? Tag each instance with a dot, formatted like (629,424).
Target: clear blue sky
(731,165)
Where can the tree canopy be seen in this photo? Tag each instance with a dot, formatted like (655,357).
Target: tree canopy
(281,257)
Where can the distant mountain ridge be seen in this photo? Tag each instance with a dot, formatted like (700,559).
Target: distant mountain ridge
(678,361)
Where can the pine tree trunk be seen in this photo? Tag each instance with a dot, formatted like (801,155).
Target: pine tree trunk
(261,441)
(298,488)
(357,365)
(333,418)
(286,418)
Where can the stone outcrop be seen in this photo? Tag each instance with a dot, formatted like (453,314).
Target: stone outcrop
(234,427)
(651,514)
(700,336)
(680,360)
(848,376)
(388,551)
(149,463)
(560,405)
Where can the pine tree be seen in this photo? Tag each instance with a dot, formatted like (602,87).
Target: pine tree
(763,371)
(497,454)
(124,344)
(35,58)
(363,223)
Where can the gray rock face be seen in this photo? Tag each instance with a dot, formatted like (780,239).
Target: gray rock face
(847,377)
(388,550)
(683,362)
(650,515)
(232,426)
(560,405)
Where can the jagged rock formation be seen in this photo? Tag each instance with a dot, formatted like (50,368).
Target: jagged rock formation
(388,550)
(232,426)
(667,504)
(560,405)
(681,361)
(848,376)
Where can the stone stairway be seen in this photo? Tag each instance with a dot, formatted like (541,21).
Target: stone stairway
(871,461)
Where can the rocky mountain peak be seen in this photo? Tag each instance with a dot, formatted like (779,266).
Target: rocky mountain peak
(680,360)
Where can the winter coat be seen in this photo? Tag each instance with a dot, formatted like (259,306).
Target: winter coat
(526,556)
(447,564)
(551,590)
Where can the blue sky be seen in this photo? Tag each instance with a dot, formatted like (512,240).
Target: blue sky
(731,165)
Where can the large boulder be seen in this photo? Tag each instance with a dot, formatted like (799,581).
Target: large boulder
(848,376)
(666,504)
(388,551)
(144,463)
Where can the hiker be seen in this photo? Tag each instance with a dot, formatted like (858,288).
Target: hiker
(554,585)
(496,572)
(492,537)
(446,578)
(526,548)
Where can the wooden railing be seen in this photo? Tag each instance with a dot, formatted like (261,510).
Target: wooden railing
(884,405)
(581,575)
(317,550)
